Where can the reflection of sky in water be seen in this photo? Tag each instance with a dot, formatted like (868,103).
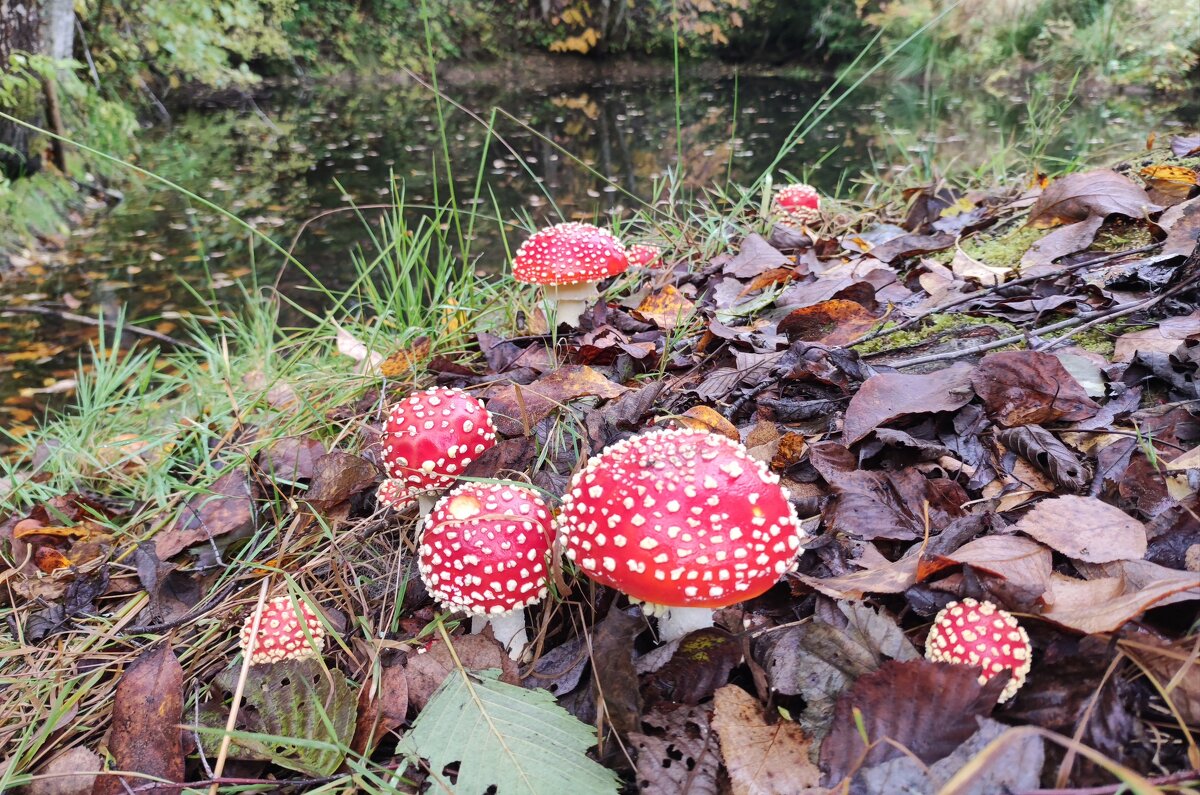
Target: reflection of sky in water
(312,150)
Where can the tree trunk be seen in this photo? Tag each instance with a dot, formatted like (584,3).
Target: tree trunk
(20,31)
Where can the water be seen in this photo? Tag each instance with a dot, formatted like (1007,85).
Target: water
(311,153)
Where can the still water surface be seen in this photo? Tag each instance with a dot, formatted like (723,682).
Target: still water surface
(309,153)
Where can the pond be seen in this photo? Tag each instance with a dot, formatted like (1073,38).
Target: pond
(295,161)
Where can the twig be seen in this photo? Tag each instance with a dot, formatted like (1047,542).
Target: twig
(231,723)
(91,321)
(1182,777)
(969,297)
(1045,346)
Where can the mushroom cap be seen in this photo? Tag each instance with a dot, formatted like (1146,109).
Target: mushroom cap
(570,253)
(281,632)
(981,634)
(798,202)
(485,548)
(429,439)
(681,518)
(644,256)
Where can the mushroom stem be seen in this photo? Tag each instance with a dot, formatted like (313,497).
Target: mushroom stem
(425,502)
(509,629)
(567,301)
(675,622)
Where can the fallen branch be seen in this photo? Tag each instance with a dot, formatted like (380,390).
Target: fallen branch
(91,321)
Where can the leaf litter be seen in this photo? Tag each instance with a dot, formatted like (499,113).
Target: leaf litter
(1041,455)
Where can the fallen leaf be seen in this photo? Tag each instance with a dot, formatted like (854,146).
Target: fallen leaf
(337,476)
(666,308)
(1164,338)
(890,396)
(514,407)
(1065,240)
(147,711)
(1077,197)
(228,509)
(72,772)
(912,245)
(612,666)
(925,707)
(382,705)
(677,753)
(406,360)
(1185,145)
(1176,667)
(1104,605)
(965,266)
(1024,564)
(703,418)
(426,672)
(701,663)
(1182,223)
(1084,528)
(1173,182)
(762,759)
(349,345)
(755,256)
(1043,449)
(291,458)
(835,322)
(1030,388)
(792,448)
(879,577)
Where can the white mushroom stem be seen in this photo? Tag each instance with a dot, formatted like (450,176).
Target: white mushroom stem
(509,629)
(566,302)
(675,622)
(425,502)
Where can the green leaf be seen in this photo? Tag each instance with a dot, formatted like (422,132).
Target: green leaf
(516,740)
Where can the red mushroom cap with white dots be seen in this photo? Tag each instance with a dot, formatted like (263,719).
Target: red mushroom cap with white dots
(981,634)
(569,253)
(281,632)
(644,256)
(429,439)
(680,518)
(799,202)
(485,548)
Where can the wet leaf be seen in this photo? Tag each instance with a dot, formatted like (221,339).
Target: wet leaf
(227,512)
(762,759)
(1025,565)
(755,256)
(1084,528)
(928,708)
(1043,449)
(890,396)
(677,753)
(1163,338)
(291,458)
(382,705)
(1076,197)
(1061,242)
(701,663)
(426,672)
(338,476)
(1104,605)
(515,408)
(146,715)
(1030,388)
(835,322)
(666,308)
(612,664)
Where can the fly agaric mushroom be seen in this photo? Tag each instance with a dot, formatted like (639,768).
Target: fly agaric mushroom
(983,635)
(484,550)
(644,256)
(569,260)
(281,632)
(800,203)
(428,440)
(682,520)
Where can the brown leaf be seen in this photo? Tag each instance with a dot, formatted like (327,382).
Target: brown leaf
(291,458)
(382,711)
(338,476)
(1164,338)
(1030,388)
(1061,242)
(666,308)
(792,447)
(1171,182)
(890,396)
(879,576)
(1084,528)
(1182,223)
(514,407)
(928,708)
(703,418)
(70,773)
(1185,145)
(677,753)
(1043,449)
(1176,667)
(612,665)
(755,257)
(1025,565)
(228,508)
(762,759)
(403,361)
(701,663)
(146,714)
(425,672)
(912,246)
(1077,197)
(1104,605)
(834,322)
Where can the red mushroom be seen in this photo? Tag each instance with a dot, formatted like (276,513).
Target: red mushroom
(484,550)
(983,635)
(569,260)
(281,632)
(644,256)
(680,519)
(799,203)
(428,440)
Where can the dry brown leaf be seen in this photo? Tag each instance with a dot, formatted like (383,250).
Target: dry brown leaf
(228,509)
(1061,242)
(1182,223)
(1077,197)
(1086,529)
(1164,338)
(666,308)
(1030,388)
(881,576)
(514,407)
(1103,605)
(425,672)
(1024,563)
(834,322)
(403,361)
(703,418)
(762,759)
(679,753)
(382,711)
(890,396)
(70,773)
(1176,667)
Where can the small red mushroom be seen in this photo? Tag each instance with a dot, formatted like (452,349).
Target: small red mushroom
(983,635)
(484,550)
(429,439)
(281,632)
(798,203)
(644,256)
(569,260)
(680,519)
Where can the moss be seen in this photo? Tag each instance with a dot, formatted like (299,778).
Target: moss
(1005,249)
(933,327)
(1121,234)
(1102,339)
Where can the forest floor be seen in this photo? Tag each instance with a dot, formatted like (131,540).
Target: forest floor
(984,394)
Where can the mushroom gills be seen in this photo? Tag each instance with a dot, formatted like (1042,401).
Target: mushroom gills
(567,301)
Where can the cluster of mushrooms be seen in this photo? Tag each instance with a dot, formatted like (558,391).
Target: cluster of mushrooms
(682,521)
